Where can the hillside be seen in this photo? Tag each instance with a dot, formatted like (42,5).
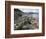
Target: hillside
(22,20)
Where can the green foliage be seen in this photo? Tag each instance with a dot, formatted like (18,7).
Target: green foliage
(17,13)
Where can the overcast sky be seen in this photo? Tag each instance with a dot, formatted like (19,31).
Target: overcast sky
(30,10)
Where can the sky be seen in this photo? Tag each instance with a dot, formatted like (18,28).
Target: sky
(29,10)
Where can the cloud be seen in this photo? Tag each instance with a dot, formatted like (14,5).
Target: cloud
(29,10)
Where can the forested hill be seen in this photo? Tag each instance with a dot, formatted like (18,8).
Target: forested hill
(17,13)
